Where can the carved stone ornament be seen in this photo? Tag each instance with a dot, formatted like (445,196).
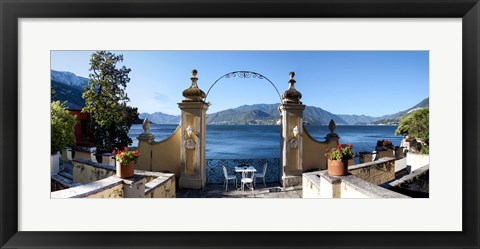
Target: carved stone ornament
(146,126)
(293,143)
(193,93)
(291,95)
(190,144)
(332,126)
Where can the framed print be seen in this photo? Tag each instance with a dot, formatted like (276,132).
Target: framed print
(41,37)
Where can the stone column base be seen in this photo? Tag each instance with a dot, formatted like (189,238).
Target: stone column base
(290,181)
(191,183)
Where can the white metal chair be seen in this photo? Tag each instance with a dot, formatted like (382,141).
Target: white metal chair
(248,181)
(228,177)
(261,175)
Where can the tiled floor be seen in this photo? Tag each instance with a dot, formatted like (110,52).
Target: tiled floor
(273,190)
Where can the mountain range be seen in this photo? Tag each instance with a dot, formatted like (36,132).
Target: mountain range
(268,114)
(69,87)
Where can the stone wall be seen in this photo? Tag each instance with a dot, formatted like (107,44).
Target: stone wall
(416,161)
(320,185)
(314,153)
(103,183)
(161,156)
(111,187)
(376,172)
(158,185)
(59,183)
(85,171)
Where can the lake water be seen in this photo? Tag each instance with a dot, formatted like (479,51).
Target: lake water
(263,141)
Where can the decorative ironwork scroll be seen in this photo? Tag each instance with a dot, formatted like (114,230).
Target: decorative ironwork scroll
(244,75)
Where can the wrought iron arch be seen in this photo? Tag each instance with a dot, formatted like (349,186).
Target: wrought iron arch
(245,75)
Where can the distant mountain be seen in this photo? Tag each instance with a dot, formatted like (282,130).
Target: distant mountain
(68,78)
(160,118)
(69,93)
(357,119)
(268,114)
(393,119)
(68,87)
(317,116)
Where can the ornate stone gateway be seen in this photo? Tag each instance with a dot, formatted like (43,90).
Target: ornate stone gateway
(183,152)
(193,117)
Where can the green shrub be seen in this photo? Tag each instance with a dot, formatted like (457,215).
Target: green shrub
(416,125)
(62,125)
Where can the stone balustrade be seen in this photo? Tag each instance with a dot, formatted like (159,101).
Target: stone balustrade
(362,182)
(100,181)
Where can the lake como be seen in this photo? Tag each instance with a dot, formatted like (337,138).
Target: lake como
(263,141)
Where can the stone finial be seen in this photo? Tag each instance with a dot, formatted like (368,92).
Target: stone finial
(292,74)
(332,136)
(193,93)
(146,125)
(291,95)
(146,136)
(332,126)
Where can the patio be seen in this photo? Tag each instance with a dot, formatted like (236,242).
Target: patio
(272,190)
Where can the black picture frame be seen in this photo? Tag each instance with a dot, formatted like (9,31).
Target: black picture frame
(11,11)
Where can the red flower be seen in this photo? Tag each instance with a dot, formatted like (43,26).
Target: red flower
(350,146)
(326,150)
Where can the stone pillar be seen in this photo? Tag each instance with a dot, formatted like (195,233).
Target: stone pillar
(145,141)
(193,127)
(134,187)
(291,136)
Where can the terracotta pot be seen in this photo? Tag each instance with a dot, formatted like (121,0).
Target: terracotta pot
(337,167)
(125,170)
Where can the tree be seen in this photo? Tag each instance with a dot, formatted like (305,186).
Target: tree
(106,102)
(62,125)
(416,125)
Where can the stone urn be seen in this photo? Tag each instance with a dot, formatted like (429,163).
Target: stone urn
(125,170)
(337,167)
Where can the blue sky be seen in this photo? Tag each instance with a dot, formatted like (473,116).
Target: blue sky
(372,83)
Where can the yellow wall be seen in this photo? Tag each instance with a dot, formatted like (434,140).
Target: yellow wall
(313,152)
(161,156)
(166,154)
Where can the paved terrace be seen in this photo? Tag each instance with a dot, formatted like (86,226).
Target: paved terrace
(273,190)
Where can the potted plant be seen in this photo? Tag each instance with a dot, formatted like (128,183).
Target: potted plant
(338,159)
(125,162)
(384,145)
(62,133)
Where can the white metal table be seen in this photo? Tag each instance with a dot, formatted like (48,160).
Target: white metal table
(245,170)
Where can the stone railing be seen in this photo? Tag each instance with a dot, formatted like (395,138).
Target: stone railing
(86,171)
(415,184)
(100,181)
(376,172)
(319,184)
(215,173)
(362,182)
